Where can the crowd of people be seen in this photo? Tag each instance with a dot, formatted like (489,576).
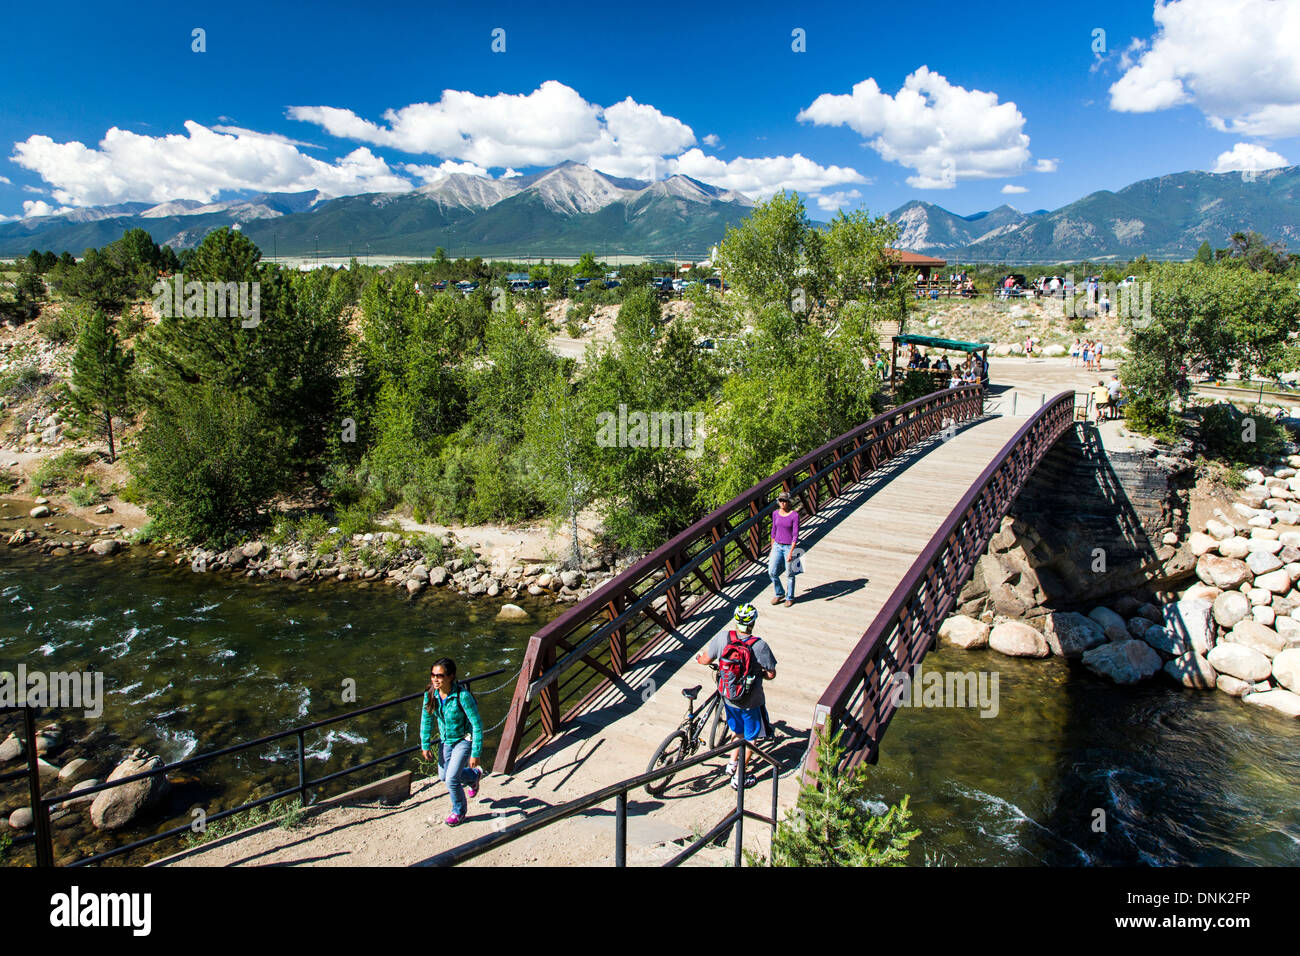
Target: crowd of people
(969,372)
(1087,354)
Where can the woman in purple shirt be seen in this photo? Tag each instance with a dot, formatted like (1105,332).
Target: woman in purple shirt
(785,537)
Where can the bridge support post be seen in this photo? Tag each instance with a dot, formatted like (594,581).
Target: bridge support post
(548,701)
(617,640)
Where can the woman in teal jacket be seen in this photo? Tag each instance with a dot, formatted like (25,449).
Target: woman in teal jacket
(460,734)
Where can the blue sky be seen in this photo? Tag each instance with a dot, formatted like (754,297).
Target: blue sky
(964,105)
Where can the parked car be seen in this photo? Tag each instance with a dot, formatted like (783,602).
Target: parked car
(539,284)
(714,283)
(440,285)
(518,285)
(612,283)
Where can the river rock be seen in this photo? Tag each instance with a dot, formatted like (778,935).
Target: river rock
(545,581)
(493,588)
(571,579)
(1231,607)
(536,591)
(1202,543)
(116,808)
(1137,626)
(1263,615)
(1254,635)
(1171,645)
(1124,662)
(1201,592)
(1219,530)
(965,632)
(1191,620)
(1265,540)
(11,749)
(1281,701)
(72,770)
(1111,623)
(40,511)
(1264,519)
(77,788)
(106,546)
(1223,573)
(1069,634)
(511,613)
(1286,669)
(1240,661)
(1261,562)
(438,576)
(1233,686)
(416,585)
(1279,581)
(1258,597)
(21,818)
(1192,670)
(1016,639)
(1234,548)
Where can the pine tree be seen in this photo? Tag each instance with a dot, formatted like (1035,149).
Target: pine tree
(99,375)
(831,825)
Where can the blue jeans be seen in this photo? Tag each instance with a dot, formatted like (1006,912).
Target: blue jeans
(779,559)
(453,767)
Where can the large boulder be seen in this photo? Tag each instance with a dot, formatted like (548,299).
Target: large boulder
(1202,543)
(1279,581)
(1256,636)
(1234,548)
(116,808)
(1280,701)
(1190,619)
(1263,540)
(1226,573)
(1231,607)
(1069,634)
(1124,662)
(1111,623)
(1233,686)
(438,576)
(964,631)
(1201,592)
(1192,670)
(1220,530)
(1240,661)
(1286,669)
(1160,639)
(1288,628)
(1261,562)
(1018,640)
(511,613)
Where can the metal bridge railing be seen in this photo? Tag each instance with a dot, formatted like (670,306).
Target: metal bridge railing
(41,805)
(860,700)
(572,660)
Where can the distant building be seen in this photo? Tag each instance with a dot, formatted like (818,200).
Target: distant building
(905,260)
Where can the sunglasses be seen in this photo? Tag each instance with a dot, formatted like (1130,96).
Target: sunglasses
(437,674)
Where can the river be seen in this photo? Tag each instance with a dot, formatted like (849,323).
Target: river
(1072,770)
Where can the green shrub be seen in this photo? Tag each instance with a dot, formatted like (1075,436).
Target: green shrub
(8,483)
(830,824)
(1233,436)
(430,546)
(23,377)
(59,326)
(1152,416)
(312,528)
(83,496)
(145,534)
(915,384)
(60,471)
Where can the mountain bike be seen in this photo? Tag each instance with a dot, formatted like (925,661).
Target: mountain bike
(685,741)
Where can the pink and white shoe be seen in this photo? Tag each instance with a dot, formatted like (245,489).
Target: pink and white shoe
(478,785)
(453,820)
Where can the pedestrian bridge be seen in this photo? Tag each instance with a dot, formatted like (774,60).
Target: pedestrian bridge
(894,515)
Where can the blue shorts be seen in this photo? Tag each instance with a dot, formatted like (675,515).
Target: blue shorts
(747,723)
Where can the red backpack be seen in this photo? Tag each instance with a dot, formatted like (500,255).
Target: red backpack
(737,666)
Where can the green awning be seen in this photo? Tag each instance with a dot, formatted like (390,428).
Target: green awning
(933,342)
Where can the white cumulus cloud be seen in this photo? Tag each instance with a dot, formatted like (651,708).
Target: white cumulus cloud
(1248,156)
(39,207)
(126,166)
(1236,62)
(944,132)
(551,124)
(830,202)
(760,177)
(1012,190)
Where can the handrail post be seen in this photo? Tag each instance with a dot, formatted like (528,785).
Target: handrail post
(742,768)
(302,769)
(44,843)
(620,830)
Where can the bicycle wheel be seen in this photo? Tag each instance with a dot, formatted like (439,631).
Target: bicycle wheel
(671,751)
(718,730)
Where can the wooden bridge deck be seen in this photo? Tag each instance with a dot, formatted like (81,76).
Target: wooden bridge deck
(858,549)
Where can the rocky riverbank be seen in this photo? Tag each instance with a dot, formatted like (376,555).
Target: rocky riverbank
(406,562)
(1237,629)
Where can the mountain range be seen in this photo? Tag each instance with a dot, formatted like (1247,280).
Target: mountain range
(1167,217)
(562,211)
(571,208)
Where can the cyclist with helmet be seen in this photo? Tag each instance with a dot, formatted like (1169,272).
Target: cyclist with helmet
(744,662)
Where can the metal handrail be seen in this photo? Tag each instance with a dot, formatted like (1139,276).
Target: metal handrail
(41,805)
(1004,476)
(874,442)
(619,791)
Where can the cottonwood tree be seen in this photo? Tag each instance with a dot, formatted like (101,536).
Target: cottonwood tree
(558,434)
